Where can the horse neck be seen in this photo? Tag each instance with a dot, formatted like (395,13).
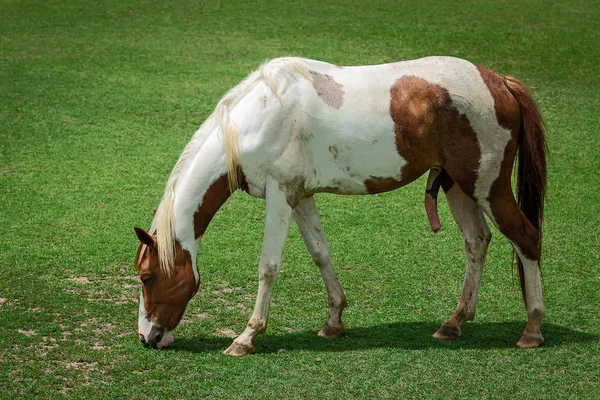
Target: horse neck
(201,190)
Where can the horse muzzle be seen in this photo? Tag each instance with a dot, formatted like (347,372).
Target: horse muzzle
(159,337)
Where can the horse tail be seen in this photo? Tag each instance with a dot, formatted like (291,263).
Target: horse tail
(531,164)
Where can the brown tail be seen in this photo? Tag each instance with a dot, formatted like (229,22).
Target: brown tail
(531,169)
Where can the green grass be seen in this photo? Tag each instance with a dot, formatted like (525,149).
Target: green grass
(97,100)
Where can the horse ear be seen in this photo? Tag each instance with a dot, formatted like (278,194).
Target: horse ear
(144,237)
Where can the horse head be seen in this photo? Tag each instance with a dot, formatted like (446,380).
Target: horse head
(165,294)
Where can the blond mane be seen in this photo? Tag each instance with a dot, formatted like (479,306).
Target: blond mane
(270,73)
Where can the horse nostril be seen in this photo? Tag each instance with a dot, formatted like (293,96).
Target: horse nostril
(157,333)
(155,336)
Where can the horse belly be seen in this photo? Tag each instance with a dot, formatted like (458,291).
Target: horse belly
(351,148)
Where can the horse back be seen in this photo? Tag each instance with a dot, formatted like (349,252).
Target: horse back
(370,129)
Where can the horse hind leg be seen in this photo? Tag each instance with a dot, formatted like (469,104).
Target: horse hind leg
(506,214)
(476,235)
(309,224)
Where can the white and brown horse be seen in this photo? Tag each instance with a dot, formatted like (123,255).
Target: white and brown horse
(296,127)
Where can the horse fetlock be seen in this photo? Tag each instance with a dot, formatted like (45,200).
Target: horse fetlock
(338,303)
(537,313)
(468,315)
(464,312)
(258,325)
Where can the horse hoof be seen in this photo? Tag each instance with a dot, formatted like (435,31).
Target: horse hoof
(530,341)
(447,332)
(331,332)
(238,350)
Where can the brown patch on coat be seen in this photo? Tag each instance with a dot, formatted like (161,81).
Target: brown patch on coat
(328,89)
(379,185)
(505,104)
(429,132)
(215,196)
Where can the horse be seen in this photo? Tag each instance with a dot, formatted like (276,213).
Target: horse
(296,127)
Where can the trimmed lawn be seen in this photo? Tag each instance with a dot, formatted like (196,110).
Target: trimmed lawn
(98,99)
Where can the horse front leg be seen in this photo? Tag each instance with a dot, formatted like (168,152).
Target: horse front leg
(309,224)
(277,223)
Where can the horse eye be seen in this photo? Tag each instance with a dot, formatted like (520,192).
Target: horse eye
(146,280)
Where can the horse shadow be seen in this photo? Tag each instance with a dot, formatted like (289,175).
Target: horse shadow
(398,335)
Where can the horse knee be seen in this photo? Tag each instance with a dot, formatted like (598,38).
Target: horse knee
(269,271)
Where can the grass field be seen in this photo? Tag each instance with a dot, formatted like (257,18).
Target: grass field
(97,100)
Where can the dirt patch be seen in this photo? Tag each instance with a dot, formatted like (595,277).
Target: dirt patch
(328,89)
(228,333)
(80,279)
(81,365)
(224,290)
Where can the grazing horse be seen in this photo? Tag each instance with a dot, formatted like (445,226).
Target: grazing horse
(296,127)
